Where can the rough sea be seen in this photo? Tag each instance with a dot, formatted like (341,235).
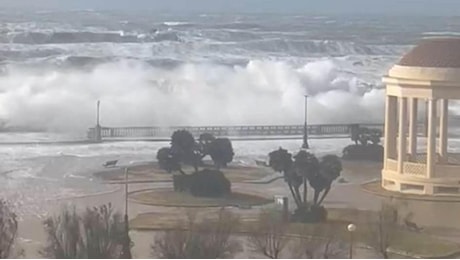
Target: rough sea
(164,69)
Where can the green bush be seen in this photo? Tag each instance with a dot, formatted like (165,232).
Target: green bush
(210,183)
(363,152)
(314,214)
(99,232)
(221,152)
(168,161)
(205,183)
(181,182)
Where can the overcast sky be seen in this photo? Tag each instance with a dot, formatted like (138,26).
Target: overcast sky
(425,7)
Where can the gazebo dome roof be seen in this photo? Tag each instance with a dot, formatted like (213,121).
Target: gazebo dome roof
(433,59)
(434,53)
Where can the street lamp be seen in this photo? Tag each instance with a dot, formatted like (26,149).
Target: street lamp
(97,112)
(305,130)
(351,229)
(98,134)
(127,242)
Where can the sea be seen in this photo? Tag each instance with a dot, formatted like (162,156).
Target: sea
(166,69)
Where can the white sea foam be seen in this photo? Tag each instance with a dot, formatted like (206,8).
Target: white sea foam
(131,93)
(175,23)
(442,33)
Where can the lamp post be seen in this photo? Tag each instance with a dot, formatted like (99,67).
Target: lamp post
(98,130)
(351,229)
(127,242)
(97,112)
(305,130)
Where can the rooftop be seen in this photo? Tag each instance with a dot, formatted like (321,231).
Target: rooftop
(434,53)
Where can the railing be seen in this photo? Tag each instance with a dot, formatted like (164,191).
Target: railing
(230,131)
(416,169)
(448,168)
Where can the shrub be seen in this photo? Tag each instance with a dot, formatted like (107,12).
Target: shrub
(183,140)
(181,183)
(205,141)
(209,183)
(205,183)
(168,161)
(98,233)
(221,152)
(363,152)
(364,135)
(208,239)
(313,214)
(185,149)
(8,231)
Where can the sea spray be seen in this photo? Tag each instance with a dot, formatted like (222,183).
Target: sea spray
(135,94)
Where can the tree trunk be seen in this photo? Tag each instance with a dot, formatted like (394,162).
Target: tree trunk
(299,198)
(315,197)
(297,202)
(326,191)
(305,191)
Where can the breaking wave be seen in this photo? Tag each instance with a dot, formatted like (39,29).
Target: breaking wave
(326,47)
(86,37)
(172,23)
(134,93)
(206,70)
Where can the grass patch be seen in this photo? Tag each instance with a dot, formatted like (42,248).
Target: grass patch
(406,242)
(423,244)
(170,198)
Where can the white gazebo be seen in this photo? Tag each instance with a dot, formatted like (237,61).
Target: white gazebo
(429,74)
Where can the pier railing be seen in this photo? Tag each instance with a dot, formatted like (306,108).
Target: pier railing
(330,130)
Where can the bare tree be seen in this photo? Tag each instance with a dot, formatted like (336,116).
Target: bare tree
(382,229)
(104,232)
(8,231)
(64,238)
(268,236)
(209,238)
(321,242)
(97,233)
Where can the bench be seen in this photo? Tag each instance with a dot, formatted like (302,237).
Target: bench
(412,226)
(261,163)
(110,163)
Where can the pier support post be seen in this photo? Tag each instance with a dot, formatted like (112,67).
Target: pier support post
(98,134)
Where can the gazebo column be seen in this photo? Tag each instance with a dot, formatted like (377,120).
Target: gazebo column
(402,140)
(413,128)
(425,125)
(443,130)
(390,129)
(431,139)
